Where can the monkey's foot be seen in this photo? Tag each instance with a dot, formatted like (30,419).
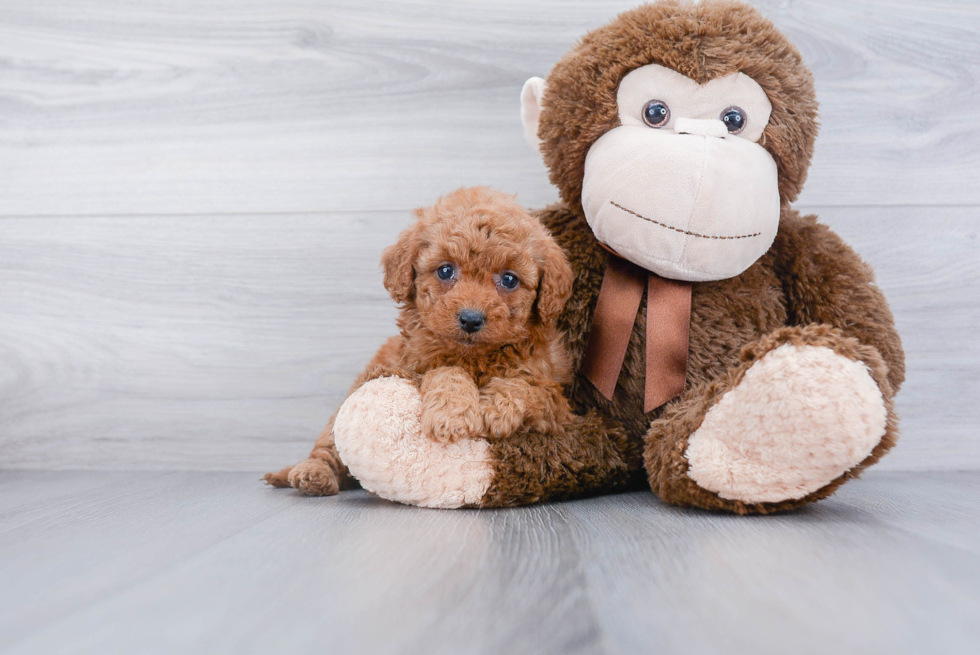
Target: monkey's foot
(378,433)
(799,418)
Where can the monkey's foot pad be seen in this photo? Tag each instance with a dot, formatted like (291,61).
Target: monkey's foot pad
(800,417)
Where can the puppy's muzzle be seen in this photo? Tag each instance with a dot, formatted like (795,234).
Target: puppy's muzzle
(471,320)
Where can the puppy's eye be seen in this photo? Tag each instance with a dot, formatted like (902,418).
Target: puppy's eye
(734,119)
(509,281)
(656,113)
(445,272)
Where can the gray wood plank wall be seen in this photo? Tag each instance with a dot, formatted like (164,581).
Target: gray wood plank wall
(194,195)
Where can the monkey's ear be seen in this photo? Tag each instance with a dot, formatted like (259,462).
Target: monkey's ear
(531,96)
(556,283)
(398,263)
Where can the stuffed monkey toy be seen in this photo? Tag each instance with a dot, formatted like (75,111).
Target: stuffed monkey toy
(739,354)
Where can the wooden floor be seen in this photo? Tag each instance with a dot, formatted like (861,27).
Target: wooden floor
(196,562)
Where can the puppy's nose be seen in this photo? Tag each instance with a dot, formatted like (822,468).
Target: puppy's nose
(471,320)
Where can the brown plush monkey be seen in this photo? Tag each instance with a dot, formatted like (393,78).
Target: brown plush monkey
(742,348)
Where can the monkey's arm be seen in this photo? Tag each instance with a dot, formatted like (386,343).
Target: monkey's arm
(379,432)
(825,281)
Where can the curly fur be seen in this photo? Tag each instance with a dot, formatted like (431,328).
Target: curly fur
(492,383)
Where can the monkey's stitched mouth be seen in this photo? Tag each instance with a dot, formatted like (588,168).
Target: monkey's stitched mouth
(677,229)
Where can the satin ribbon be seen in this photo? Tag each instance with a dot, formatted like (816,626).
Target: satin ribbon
(668,328)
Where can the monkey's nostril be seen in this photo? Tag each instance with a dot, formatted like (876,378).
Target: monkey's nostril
(471,320)
(701,127)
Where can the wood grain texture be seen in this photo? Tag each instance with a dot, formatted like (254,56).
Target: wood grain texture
(215,563)
(294,106)
(183,342)
(225,342)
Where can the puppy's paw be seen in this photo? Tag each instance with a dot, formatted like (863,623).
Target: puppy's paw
(450,405)
(279,478)
(448,422)
(314,477)
(504,406)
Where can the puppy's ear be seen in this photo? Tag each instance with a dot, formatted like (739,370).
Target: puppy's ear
(555,285)
(398,262)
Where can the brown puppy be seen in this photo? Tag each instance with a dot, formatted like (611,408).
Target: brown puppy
(480,283)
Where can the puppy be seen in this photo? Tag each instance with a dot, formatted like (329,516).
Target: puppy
(480,284)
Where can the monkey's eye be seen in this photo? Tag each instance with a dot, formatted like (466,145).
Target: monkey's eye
(445,272)
(734,119)
(656,113)
(509,281)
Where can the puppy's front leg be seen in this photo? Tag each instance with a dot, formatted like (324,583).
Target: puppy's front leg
(504,403)
(450,405)
(510,403)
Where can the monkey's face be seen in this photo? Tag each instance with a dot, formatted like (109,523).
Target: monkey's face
(638,114)
(681,187)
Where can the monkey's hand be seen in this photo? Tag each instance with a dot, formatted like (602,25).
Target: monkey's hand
(379,436)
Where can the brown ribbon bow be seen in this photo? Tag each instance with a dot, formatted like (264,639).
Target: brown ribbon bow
(668,327)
